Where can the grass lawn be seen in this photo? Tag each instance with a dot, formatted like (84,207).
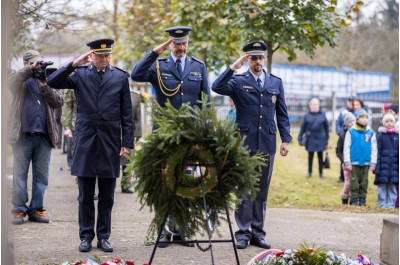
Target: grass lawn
(291,189)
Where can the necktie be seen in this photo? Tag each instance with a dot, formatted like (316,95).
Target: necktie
(259,84)
(179,67)
(101,73)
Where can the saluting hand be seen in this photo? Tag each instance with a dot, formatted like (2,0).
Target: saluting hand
(162,47)
(124,150)
(83,59)
(239,62)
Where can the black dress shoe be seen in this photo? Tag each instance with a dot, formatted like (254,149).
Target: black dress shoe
(241,244)
(130,191)
(259,242)
(163,242)
(187,244)
(85,245)
(104,245)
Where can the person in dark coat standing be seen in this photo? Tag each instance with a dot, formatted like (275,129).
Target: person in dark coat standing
(258,96)
(103,133)
(178,78)
(387,167)
(315,128)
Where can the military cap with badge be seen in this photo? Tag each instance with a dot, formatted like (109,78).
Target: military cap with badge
(101,46)
(179,34)
(255,48)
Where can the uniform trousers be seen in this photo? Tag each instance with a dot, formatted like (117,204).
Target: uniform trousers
(87,209)
(251,213)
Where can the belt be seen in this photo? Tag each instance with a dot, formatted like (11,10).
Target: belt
(99,116)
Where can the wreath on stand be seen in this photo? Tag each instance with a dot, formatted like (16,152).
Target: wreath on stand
(158,163)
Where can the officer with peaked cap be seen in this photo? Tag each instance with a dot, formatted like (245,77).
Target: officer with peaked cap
(258,97)
(103,133)
(178,78)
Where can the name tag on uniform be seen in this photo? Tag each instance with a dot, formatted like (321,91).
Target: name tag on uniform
(248,87)
(166,74)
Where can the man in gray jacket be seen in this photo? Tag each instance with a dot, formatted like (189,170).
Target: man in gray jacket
(32,133)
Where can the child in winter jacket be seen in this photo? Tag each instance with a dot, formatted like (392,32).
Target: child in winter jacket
(348,120)
(387,169)
(360,155)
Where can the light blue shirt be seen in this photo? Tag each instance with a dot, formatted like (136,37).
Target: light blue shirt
(262,78)
(183,60)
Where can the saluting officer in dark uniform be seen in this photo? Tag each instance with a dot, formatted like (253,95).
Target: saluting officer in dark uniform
(178,78)
(258,97)
(103,133)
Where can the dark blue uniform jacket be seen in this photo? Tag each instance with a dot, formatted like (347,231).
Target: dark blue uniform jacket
(255,111)
(387,167)
(104,118)
(194,79)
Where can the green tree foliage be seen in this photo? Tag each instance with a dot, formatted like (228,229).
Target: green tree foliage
(222,27)
(141,25)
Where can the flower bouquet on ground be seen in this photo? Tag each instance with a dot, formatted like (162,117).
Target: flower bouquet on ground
(306,255)
(96,261)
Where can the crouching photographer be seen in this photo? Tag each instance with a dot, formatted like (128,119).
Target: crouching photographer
(32,133)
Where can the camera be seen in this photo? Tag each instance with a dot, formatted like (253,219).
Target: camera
(40,72)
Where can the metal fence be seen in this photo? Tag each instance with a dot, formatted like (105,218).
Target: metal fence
(298,107)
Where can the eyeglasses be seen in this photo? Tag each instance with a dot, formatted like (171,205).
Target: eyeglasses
(255,58)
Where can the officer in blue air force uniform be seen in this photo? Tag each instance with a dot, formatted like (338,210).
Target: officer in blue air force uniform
(178,77)
(258,96)
(103,133)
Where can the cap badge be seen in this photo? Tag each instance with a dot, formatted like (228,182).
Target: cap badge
(256,45)
(103,46)
(178,31)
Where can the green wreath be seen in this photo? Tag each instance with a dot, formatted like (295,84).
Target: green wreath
(158,163)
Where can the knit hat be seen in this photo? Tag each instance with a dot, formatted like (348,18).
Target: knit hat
(348,117)
(359,113)
(394,108)
(388,117)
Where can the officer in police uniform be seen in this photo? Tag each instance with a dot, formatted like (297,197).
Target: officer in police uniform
(178,78)
(258,97)
(103,133)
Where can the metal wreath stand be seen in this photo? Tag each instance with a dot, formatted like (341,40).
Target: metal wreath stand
(208,143)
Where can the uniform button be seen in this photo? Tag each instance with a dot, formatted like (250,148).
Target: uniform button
(182,93)
(261,95)
(247,90)
(259,127)
(260,116)
(260,106)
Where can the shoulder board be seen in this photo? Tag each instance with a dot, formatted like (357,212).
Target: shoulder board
(119,69)
(125,72)
(83,66)
(276,76)
(162,59)
(198,60)
(240,74)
